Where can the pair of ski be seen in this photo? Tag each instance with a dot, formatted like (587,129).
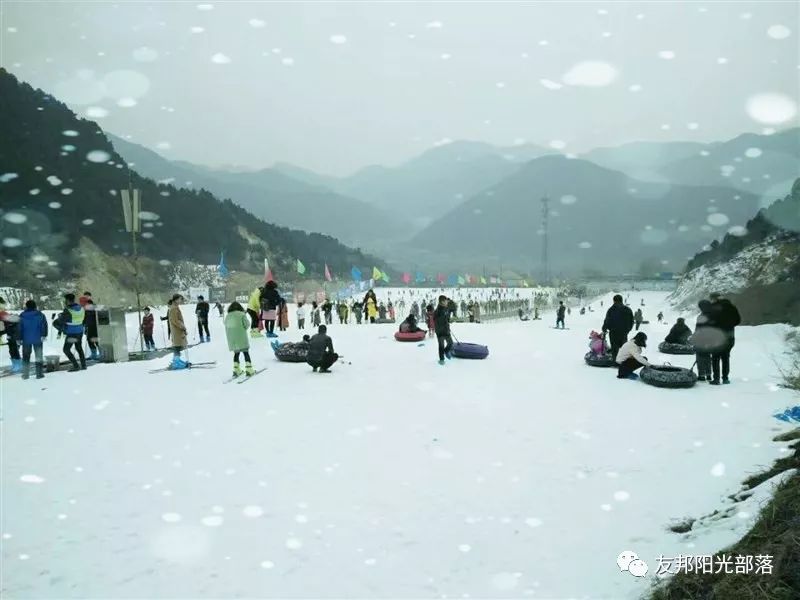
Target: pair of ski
(241,379)
(195,365)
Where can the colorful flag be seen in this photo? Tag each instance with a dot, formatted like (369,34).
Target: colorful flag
(406,278)
(461,280)
(301,268)
(376,273)
(452,280)
(441,278)
(420,277)
(356,274)
(267,272)
(328,274)
(385,277)
(524,283)
(483,280)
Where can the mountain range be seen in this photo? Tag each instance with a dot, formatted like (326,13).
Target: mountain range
(61,186)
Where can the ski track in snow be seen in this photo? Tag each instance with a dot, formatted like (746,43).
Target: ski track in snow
(392,477)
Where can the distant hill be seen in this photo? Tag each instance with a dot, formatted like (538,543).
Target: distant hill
(600,219)
(60,185)
(756,163)
(274,196)
(758,268)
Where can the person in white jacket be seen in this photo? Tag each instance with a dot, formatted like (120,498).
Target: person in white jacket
(301,316)
(629,357)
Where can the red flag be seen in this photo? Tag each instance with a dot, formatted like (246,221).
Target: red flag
(441,278)
(406,278)
(327,274)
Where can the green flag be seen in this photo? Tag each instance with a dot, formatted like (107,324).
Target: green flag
(385,277)
(301,268)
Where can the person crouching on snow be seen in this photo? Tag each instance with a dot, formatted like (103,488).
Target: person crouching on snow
(237,325)
(629,357)
(320,351)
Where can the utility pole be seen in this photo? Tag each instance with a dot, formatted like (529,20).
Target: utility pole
(131,206)
(545,223)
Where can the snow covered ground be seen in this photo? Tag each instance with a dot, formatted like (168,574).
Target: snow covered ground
(523,475)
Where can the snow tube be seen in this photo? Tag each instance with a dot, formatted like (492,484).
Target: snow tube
(668,377)
(668,348)
(403,336)
(599,360)
(292,352)
(463,350)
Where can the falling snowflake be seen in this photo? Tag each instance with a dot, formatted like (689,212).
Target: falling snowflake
(666,54)
(96,112)
(434,25)
(718,470)
(635,88)
(288,61)
(590,74)
(98,156)
(550,85)
(338,39)
(126,102)
(145,54)
(585,245)
(557,144)
(779,32)
(718,219)
(220,59)
(771,108)
(257,23)
(205,7)
(197,29)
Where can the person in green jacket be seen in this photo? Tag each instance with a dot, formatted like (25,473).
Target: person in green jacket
(236,331)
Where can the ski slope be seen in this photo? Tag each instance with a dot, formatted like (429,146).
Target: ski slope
(523,475)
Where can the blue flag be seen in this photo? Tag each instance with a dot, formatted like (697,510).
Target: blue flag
(356,274)
(452,280)
(221,268)
(420,277)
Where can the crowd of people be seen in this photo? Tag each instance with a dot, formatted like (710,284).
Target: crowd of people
(712,340)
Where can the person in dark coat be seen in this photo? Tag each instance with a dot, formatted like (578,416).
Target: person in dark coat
(32,333)
(148,322)
(441,325)
(638,318)
(409,325)
(327,311)
(726,317)
(90,325)
(560,315)
(219,308)
(270,301)
(201,310)
(618,324)
(166,318)
(320,351)
(73,316)
(679,334)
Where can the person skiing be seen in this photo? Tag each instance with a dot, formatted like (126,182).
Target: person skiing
(618,323)
(270,300)
(660,316)
(638,318)
(90,325)
(73,316)
(630,359)
(320,351)
(8,327)
(177,332)
(560,315)
(441,324)
(679,334)
(254,309)
(148,323)
(301,315)
(726,317)
(32,334)
(236,326)
(201,311)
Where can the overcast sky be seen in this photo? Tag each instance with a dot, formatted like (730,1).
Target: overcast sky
(337,86)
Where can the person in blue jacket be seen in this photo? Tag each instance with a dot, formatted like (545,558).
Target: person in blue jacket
(32,333)
(72,317)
